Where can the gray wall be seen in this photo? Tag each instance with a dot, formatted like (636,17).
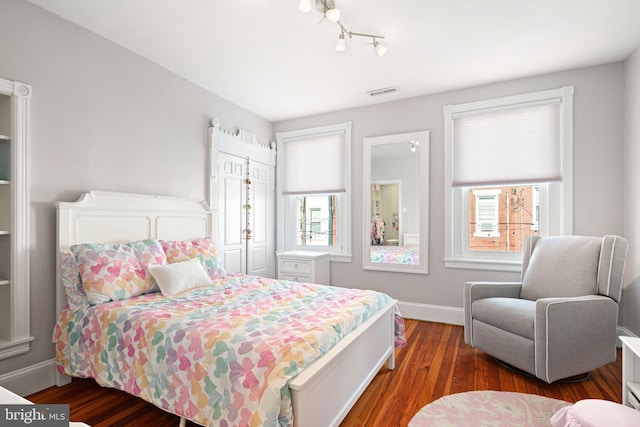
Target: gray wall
(103,118)
(631,294)
(598,171)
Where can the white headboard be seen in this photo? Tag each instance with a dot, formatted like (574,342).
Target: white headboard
(106,217)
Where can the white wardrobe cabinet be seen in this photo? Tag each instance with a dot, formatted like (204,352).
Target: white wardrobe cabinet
(242,191)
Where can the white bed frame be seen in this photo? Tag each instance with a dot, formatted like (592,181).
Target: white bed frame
(323,393)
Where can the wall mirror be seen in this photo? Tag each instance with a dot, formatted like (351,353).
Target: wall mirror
(396,202)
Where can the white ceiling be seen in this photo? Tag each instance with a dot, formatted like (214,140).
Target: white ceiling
(269,58)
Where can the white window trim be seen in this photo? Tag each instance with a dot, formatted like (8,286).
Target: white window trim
(535,220)
(554,197)
(286,212)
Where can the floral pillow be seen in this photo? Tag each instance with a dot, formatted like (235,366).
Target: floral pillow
(113,272)
(76,298)
(149,252)
(204,249)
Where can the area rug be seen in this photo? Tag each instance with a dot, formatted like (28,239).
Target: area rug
(488,409)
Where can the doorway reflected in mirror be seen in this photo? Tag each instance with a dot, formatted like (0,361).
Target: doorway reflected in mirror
(389,245)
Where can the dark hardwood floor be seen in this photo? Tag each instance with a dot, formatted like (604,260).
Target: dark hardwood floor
(434,364)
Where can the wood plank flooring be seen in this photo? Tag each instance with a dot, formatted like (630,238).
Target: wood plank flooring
(434,364)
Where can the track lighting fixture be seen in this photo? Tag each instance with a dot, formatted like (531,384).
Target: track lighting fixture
(329,11)
(341,46)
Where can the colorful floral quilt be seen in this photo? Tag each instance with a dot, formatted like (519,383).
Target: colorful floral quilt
(406,255)
(220,355)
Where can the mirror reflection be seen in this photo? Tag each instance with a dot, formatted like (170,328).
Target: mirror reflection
(389,244)
(395,181)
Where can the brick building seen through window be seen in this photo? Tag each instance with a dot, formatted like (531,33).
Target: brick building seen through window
(501,218)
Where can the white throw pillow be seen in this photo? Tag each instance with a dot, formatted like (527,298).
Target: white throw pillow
(178,277)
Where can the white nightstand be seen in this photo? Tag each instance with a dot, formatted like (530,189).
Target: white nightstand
(305,266)
(631,371)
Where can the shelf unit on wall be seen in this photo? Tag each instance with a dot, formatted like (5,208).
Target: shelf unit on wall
(15,335)
(5,193)
(376,200)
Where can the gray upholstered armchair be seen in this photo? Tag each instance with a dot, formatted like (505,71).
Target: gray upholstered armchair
(560,319)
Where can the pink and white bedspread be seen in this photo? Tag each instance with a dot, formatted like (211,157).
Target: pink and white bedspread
(220,355)
(406,255)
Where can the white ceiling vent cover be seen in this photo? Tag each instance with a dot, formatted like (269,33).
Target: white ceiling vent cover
(383,91)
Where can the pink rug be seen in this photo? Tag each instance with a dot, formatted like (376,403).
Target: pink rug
(488,409)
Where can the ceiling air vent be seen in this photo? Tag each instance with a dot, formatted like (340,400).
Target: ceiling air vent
(383,91)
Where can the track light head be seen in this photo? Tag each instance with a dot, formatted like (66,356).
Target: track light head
(380,48)
(341,45)
(333,15)
(304,6)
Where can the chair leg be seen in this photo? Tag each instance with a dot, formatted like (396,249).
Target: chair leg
(514,369)
(570,380)
(575,379)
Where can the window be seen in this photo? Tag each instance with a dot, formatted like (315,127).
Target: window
(503,217)
(315,225)
(313,188)
(317,220)
(508,173)
(486,213)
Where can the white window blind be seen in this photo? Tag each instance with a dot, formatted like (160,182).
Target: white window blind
(314,165)
(517,145)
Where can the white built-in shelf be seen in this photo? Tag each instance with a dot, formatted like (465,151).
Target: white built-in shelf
(630,371)
(15,325)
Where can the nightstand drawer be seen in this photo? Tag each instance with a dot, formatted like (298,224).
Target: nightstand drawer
(296,277)
(305,266)
(296,266)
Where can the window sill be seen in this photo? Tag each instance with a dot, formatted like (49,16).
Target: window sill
(341,258)
(15,348)
(487,234)
(485,265)
(335,257)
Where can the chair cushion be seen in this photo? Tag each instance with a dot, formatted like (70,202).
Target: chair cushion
(510,314)
(562,266)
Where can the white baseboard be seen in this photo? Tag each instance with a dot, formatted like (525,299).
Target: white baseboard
(432,313)
(31,379)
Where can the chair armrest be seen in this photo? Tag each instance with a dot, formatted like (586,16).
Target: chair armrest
(478,290)
(574,335)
